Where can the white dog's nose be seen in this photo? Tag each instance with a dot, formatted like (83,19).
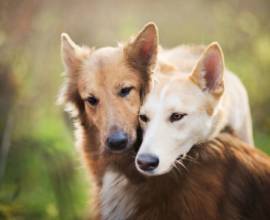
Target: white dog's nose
(147,162)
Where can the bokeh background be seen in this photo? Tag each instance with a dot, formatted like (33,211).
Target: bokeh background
(40,173)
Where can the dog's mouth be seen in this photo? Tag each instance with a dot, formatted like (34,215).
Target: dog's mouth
(124,150)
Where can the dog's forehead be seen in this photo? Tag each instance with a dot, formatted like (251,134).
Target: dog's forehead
(104,69)
(176,94)
(182,93)
(181,87)
(104,60)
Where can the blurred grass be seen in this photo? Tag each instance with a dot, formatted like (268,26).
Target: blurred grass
(43,178)
(263,141)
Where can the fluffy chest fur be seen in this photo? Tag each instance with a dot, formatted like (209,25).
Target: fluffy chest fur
(122,198)
(117,197)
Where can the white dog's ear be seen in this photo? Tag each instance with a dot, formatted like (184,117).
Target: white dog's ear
(142,51)
(72,54)
(209,70)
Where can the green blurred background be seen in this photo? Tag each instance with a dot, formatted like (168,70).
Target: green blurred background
(40,173)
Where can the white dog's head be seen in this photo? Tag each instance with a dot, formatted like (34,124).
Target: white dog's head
(179,112)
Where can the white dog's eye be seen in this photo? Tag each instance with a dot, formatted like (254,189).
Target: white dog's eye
(176,116)
(144,118)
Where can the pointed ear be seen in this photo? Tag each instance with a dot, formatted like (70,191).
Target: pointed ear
(72,54)
(208,72)
(141,53)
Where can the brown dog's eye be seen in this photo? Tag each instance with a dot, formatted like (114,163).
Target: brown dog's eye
(144,118)
(177,116)
(125,91)
(92,100)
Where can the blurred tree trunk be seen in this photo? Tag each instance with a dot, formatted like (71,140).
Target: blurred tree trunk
(8,90)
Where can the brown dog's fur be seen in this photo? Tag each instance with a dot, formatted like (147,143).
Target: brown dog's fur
(223,179)
(102,73)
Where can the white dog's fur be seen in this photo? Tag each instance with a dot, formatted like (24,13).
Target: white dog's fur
(207,96)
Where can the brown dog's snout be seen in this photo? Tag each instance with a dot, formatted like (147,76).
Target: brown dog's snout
(117,141)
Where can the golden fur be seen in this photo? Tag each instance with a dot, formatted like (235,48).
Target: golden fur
(102,73)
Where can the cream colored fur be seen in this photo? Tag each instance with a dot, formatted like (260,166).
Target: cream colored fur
(199,86)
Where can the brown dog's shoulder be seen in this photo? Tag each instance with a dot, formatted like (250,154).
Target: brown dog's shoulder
(226,148)
(230,179)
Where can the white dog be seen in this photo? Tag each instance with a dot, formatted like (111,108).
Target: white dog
(188,105)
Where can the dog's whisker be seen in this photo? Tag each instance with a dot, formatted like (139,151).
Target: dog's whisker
(178,163)
(177,171)
(181,164)
(191,159)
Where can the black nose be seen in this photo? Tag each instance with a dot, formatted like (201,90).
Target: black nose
(147,162)
(117,141)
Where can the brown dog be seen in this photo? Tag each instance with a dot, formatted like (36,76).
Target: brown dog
(103,92)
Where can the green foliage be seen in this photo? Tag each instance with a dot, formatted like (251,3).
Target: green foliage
(42,178)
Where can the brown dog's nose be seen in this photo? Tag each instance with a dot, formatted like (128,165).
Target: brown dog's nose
(117,141)
(147,162)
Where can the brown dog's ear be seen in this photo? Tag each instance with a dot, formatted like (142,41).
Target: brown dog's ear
(72,54)
(141,52)
(208,72)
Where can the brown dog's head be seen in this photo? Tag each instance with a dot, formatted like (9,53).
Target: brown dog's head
(104,86)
